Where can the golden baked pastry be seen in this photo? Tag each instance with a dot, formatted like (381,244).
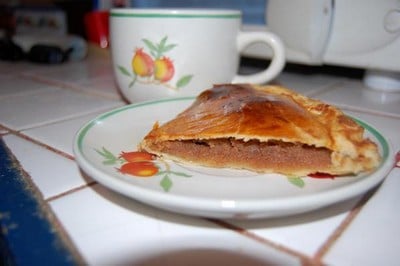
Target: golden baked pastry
(264,129)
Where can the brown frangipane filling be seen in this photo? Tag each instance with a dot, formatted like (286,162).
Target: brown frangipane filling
(253,153)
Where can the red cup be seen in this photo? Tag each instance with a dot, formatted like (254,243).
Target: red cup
(96,27)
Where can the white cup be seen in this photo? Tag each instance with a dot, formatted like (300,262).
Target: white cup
(160,53)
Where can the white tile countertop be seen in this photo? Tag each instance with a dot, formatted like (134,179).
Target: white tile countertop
(41,109)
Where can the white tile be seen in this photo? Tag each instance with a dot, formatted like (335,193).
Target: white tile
(40,108)
(103,85)
(92,75)
(373,236)
(111,229)
(60,135)
(74,71)
(354,95)
(52,173)
(8,68)
(17,85)
(305,233)
(307,84)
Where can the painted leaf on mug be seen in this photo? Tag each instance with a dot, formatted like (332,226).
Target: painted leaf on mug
(159,49)
(183,81)
(151,65)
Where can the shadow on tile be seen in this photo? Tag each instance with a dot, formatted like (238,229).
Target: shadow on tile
(341,208)
(147,210)
(199,257)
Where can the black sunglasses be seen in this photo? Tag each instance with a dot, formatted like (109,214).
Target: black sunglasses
(39,53)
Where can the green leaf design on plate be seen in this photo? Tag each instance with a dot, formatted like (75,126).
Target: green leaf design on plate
(109,158)
(297,181)
(167,172)
(166,183)
(183,81)
(180,174)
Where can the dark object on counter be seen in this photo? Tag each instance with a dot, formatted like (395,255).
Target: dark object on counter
(7,19)
(38,53)
(10,51)
(47,54)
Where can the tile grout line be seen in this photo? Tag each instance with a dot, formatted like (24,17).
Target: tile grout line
(37,142)
(369,112)
(305,260)
(71,191)
(95,113)
(329,243)
(61,153)
(316,93)
(337,233)
(324,249)
(311,94)
(68,85)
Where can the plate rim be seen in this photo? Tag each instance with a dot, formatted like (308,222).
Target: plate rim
(221,208)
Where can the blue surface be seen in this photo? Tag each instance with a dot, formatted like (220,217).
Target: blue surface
(26,236)
(253,10)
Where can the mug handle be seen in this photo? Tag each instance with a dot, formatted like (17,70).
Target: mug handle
(278,60)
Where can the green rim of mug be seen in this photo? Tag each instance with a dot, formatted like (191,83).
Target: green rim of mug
(176,15)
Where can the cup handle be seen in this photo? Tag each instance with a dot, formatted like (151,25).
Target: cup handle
(278,59)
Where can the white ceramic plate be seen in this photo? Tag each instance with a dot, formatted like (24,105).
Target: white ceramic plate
(218,193)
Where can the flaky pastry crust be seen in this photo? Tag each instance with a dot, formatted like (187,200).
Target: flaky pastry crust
(267,114)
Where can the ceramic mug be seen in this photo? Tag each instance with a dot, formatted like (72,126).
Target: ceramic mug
(160,53)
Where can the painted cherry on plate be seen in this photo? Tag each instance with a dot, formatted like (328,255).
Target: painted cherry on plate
(138,163)
(136,156)
(140,168)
